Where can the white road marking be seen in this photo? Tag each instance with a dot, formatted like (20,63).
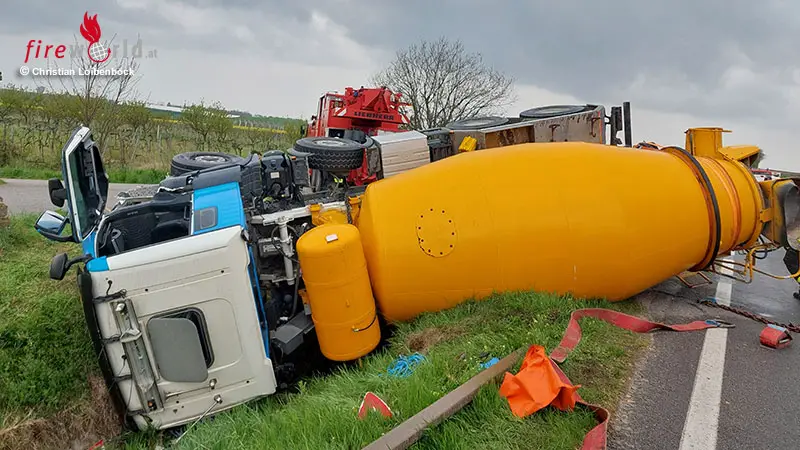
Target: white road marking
(702,419)
(700,428)
(723,295)
(724,286)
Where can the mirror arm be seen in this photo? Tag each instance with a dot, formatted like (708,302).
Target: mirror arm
(56,237)
(79,259)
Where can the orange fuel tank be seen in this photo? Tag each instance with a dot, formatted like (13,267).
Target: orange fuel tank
(592,220)
(339,291)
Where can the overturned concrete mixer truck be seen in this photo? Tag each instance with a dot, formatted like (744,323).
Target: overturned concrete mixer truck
(201,295)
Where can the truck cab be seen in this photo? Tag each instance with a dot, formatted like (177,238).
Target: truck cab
(168,287)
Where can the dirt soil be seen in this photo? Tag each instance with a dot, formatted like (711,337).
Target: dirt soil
(79,427)
(422,340)
(4,220)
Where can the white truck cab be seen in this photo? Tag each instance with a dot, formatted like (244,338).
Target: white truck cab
(169,287)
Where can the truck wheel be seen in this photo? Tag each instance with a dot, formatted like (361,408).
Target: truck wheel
(545,112)
(477,123)
(331,154)
(191,161)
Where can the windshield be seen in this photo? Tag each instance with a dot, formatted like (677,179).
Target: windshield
(79,190)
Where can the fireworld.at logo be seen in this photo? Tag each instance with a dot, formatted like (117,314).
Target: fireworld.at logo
(97,51)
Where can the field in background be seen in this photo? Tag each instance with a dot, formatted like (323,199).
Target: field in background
(136,142)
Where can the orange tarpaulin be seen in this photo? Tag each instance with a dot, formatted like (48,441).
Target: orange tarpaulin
(537,385)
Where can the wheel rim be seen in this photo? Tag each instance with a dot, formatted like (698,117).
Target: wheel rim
(477,122)
(330,143)
(553,110)
(210,158)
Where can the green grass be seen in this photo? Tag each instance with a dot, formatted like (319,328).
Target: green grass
(51,392)
(135,176)
(46,360)
(324,414)
(45,351)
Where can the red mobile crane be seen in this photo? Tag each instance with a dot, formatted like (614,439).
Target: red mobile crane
(358,114)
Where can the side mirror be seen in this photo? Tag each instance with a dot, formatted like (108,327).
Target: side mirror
(626,121)
(784,197)
(60,264)
(791,217)
(51,225)
(615,122)
(57,192)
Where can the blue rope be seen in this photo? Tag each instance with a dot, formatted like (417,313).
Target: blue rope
(404,366)
(490,363)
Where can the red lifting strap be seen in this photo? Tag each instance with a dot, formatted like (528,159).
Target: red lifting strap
(632,323)
(596,438)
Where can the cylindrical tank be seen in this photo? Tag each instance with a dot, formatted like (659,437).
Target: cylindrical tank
(339,292)
(593,220)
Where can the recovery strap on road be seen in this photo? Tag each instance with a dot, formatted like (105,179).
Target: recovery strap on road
(535,385)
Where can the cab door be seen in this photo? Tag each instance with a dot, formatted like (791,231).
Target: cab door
(85,184)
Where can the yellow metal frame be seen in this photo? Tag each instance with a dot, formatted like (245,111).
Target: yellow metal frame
(748,268)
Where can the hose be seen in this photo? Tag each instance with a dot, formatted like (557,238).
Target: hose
(765,252)
(296,288)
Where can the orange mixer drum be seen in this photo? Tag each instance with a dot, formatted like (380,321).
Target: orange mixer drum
(587,219)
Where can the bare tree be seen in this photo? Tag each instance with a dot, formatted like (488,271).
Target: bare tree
(443,82)
(96,89)
(22,102)
(207,121)
(137,120)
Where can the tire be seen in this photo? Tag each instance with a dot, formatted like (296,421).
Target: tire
(192,161)
(545,112)
(477,123)
(790,259)
(331,154)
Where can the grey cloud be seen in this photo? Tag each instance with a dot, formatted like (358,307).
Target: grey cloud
(39,16)
(604,47)
(669,55)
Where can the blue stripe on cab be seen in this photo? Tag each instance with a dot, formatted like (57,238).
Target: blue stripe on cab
(227,200)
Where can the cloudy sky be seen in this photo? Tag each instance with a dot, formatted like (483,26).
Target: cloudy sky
(681,63)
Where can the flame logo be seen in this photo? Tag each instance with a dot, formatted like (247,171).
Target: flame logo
(90,30)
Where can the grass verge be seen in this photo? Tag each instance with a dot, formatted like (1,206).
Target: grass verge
(51,394)
(454,342)
(134,176)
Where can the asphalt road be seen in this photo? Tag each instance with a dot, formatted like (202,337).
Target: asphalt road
(31,196)
(759,402)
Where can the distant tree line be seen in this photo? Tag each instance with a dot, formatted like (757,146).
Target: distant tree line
(34,125)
